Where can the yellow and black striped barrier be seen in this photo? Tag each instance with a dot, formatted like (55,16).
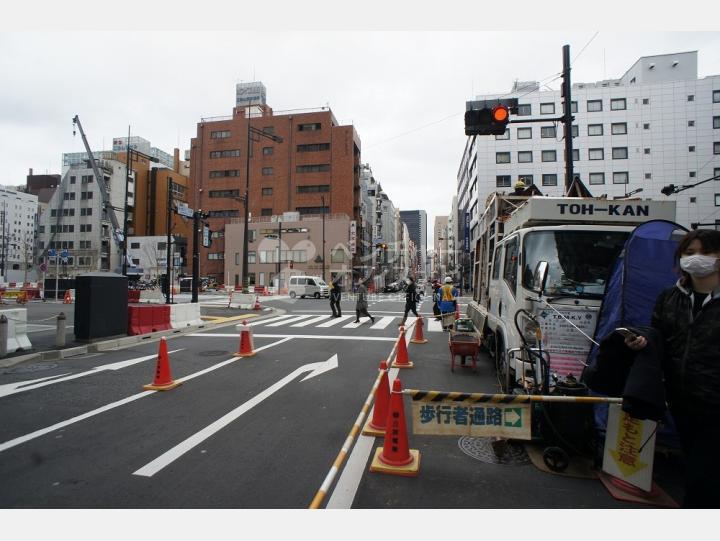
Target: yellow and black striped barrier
(444,396)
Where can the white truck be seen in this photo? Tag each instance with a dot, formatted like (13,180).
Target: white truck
(539,274)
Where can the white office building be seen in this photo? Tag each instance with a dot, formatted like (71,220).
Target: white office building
(18,219)
(656,125)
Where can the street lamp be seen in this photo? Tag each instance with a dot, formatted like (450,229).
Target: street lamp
(128,165)
(277,139)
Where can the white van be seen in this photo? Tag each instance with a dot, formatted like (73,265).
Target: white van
(308,286)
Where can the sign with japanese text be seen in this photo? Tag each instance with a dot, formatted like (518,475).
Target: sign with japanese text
(489,419)
(467,232)
(629,448)
(567,346)
(353,237)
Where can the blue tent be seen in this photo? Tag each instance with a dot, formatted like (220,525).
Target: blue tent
(643,270)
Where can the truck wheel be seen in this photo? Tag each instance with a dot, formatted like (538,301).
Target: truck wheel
(556,459)
(317,295)
(292,294)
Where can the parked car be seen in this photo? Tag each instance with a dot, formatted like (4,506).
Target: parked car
(308,286)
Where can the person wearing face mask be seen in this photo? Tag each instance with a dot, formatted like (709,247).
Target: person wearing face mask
(688,318)
(410,299)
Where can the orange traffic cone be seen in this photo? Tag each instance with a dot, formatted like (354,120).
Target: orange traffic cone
(68,298)
(246,341)
(418,337)
(394,456)
(163,379)
(376,426)
(257,304)
(401,359)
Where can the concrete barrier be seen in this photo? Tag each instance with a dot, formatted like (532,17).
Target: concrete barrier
(246,301)
(185,315)
(17,329)
(151,295)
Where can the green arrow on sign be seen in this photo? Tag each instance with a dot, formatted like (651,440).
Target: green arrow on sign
(517,421)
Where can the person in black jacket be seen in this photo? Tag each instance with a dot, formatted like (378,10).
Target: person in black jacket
(411,298)
(336,295)
(688,318)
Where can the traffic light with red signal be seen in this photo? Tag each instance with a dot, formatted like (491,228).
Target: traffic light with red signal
(488,117)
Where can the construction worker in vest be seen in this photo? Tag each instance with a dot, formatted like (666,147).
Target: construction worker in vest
(448,302)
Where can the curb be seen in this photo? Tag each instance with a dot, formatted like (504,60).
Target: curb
(128,341)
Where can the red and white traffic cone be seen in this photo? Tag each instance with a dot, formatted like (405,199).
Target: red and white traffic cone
(418,337)
(257,304)
(246,341)
(402,359)
(163,379)
(376,425)
(395,456)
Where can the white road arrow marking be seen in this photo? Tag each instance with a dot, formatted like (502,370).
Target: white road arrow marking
(20,386)
(180,449)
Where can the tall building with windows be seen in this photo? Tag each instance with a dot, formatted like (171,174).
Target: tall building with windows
(658,124)
(416,221)
(18,218)
(314,170)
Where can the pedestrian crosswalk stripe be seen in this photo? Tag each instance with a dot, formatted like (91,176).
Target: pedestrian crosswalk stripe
(310,321)
(354,325)
(434,325)
(271,320)
(335,321)
(293,319)
(384,322)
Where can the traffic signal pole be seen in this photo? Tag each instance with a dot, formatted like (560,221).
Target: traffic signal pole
(567,118)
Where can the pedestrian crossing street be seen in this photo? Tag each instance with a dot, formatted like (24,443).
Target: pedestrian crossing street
(346,322)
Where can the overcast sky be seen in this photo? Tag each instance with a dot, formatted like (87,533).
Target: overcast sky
(404,91)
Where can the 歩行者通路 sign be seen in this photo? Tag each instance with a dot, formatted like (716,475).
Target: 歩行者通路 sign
(469,418)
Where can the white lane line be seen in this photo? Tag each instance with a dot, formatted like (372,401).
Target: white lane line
(32,435)
(433,325)
(276,318)
(310,321)
(293,319)
(384,322)
(335,321)
(354,325)
(310,336)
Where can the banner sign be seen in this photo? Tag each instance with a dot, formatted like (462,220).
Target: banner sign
(453,418)
(467,232)
(353,237)
(629,448)
(567,346)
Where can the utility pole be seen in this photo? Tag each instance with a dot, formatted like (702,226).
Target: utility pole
(197,215)
(279,257)
(128,165)
(567,118)
(168,267)
(322,198)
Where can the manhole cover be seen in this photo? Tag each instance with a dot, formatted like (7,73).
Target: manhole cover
(213,353)
(512,454)
(24,369)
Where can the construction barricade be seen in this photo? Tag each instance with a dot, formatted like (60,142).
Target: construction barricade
(245,301)
(144,319)
(185,315)
(17,338)
(133,295)
(151,296)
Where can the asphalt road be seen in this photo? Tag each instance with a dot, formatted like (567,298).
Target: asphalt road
(255,432)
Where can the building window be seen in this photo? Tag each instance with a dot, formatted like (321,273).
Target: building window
(267,171)
(311,210)
(716,173)
(716,122)
(314,188)
(86,211)
(576,154)
(266,212)
(646,126)
(547,108)
(134,245)
(593,106)
(268,151)
(621,153)
(224,193)
(225,173)
(267,191)
(224,154)
(549,156)
(691,148)
(618,128)
(692,174)
(646,101)
(716,148)
(251,257)
(547,132)
(691,123)
(502,181)
(315,126)
(313,147)
(526,179)
(524,133)
(216,255)
(716,96)
(573,107)
(596,154)
(717,199)
(620,178)
(524,109)
(72,180)
(502,157)
(648,176)
(315,168)
(595,129)
(549,180)
(525,156)
(618,104)
(691,97)
(226,213)
(575,130)
(504,136)
(597,178)
(646,151)
(220,134)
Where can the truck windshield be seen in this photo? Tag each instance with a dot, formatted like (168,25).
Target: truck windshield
(579,261)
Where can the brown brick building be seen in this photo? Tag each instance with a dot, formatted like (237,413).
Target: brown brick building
(317,159)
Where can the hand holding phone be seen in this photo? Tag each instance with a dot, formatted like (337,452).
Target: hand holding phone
(626,333)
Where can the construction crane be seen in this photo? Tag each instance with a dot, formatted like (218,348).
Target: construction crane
(117,230)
